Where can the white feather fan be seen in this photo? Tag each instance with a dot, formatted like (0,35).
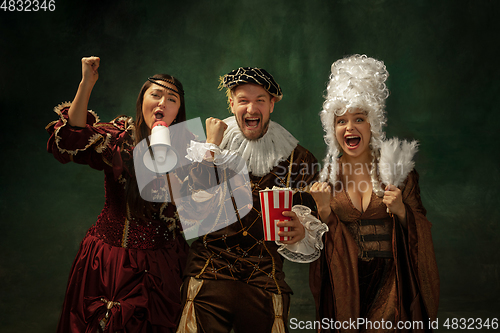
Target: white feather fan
(396,160)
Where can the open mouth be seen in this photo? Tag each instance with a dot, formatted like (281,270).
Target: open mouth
(352,141)
(159,115)
(252,122)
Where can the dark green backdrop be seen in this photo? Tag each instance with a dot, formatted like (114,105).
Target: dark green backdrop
(442,57)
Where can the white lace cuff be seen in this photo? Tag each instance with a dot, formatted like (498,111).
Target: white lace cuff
(308,249)
(198,150)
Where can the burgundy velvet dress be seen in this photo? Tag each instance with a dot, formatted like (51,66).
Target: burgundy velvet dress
(127,274)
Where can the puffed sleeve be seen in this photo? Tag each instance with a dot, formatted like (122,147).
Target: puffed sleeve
(100,145)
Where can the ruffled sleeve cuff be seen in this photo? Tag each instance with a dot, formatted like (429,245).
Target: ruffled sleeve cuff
(70,140)
(308,249)
(199,151)
(99,145)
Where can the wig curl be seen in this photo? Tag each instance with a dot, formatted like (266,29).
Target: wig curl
(355,82)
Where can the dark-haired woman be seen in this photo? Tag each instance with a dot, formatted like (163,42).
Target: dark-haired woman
(128,270)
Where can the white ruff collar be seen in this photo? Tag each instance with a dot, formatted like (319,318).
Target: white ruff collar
(263,154)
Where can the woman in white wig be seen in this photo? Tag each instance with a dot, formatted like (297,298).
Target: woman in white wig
(378,263)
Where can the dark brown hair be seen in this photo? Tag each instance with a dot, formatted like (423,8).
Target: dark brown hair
(139,207)
(142,130)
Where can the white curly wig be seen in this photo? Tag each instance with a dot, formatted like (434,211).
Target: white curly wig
(356,82)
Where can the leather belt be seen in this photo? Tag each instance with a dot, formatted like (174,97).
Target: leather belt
(376,254)
(374,221)
(374,237)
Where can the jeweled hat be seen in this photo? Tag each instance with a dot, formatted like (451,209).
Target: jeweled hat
(252,75)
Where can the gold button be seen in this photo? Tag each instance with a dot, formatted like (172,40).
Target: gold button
(245,233)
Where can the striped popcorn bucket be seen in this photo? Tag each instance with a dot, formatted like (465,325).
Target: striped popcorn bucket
(273,203)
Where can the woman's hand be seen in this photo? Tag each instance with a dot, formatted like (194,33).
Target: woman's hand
(322,194)
(393,199)
(89,70)
(297,231)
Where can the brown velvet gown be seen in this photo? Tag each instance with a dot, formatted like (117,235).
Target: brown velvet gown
(403,286)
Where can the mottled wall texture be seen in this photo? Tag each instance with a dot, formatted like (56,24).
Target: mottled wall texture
(442,56)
